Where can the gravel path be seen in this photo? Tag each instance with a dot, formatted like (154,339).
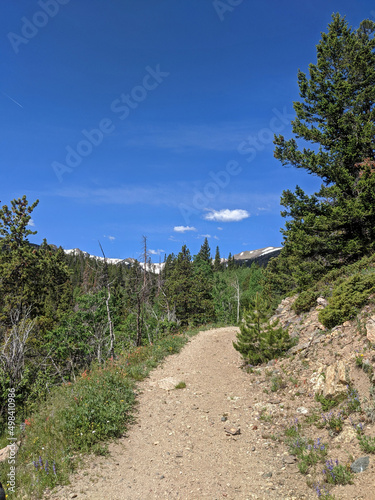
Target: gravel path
(179,449)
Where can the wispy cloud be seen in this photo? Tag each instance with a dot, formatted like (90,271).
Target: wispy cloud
(227,215)
(183,229)
(217,137)
(126,195)
(111,238)
(31,223)
(156,252)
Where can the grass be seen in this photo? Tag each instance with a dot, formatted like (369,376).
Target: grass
(180,385)
(277,383)
(81,417)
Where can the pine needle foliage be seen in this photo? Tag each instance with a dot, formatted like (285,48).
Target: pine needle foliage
(259,341)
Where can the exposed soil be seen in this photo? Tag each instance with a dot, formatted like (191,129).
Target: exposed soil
(179,448)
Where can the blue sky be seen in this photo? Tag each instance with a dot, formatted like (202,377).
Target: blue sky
(140,117)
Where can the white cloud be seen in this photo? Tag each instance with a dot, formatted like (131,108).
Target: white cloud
(204,236)
(111,238)
(220,228)
(183,229)
(156,252)
(227,215)
(31,223)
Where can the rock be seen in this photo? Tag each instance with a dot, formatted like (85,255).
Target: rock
(73,495)
(318,381)
(370,329)
(337,380)
(168,384)
(302,410)
(5,452)
(290,459)
(348,435)
(360,464)
(321,301)
(267,474)
(224,419)
(233,431)
(298,348)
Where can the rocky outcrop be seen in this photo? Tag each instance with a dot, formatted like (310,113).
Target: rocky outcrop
(370,329)
(336,380)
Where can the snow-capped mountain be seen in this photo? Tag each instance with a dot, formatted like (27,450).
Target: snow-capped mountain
(261,256)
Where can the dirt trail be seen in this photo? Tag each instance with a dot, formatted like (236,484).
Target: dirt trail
(178,449)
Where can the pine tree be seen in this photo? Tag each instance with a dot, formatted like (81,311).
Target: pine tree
(217,261)
(179,286)
(258,341)
(205,252)
(336,115)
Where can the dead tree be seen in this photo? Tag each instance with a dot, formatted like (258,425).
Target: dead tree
(107,285)
(15,347)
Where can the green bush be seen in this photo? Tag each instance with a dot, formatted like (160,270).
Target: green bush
(348,297)
(305,301)
(258,341)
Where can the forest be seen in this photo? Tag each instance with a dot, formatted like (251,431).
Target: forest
(60,313)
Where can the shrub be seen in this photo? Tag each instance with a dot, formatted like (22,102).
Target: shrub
(336,473)
(327,403)
(305,301)
(347,298)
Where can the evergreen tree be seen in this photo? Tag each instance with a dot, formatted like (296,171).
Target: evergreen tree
(258,341)
(336,115)
(202,303)
(179,286)
(205,252)
(217,261)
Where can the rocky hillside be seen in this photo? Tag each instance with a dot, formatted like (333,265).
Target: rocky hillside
(319,402)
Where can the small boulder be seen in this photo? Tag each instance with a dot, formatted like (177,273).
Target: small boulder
(321,301)
(370,329)
(336,381)
(360,464)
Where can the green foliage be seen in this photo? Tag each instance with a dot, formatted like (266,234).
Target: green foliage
(327,403)
(307,451)
(347,298)
(353,403)
(180,385)
(334,132)
(277,383)
(366,443)
(336,473)
(333,421)
(305,301)
(99,407)
(217,262)
(258,341)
